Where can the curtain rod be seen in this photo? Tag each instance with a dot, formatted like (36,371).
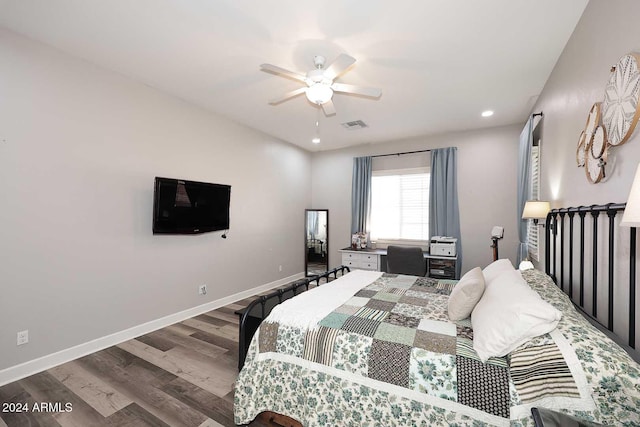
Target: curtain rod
(405,152)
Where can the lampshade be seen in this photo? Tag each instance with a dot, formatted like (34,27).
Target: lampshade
(526,265)
(631,217)
(535,209)
(319,93)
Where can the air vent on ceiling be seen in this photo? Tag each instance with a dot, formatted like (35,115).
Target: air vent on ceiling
(357,124)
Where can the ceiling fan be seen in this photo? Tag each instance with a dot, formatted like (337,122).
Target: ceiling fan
(320,82)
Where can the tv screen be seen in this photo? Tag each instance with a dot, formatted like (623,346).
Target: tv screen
(189,207)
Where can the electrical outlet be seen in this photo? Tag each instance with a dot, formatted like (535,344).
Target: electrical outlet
(23,337)
(202,289)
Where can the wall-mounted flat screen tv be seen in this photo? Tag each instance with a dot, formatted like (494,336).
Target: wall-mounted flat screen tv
(189,207)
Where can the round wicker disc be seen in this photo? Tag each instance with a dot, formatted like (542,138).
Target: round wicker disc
(599,142)
(594,167)
(620,110)
(580,154)
(593,120)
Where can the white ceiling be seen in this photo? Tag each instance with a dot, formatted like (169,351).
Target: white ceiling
(439,63)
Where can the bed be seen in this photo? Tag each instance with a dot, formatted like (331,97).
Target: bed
(378,349)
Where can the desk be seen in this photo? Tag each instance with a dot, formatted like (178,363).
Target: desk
(440,267)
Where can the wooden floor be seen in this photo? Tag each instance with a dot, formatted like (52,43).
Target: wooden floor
(182,375)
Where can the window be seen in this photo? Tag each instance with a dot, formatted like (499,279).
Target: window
(400,204)
(532,229)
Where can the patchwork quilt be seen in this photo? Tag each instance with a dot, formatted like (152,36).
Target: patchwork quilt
(388,355)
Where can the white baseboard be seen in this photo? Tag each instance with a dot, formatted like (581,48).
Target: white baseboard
(15,373)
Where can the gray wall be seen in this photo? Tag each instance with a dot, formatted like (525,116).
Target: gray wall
(79,149)
(486,188)
(607,30)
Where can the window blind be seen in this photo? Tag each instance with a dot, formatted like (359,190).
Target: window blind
(400,204)
(532,229)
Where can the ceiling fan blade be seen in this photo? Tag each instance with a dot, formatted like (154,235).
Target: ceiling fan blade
(339,66)
(357,90)
(282,72)
(287,95)
(329,108)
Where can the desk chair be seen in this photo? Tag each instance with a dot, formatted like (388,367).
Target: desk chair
(406,260)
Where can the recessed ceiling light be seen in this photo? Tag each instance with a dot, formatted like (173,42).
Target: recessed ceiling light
(316,140)
(487,113)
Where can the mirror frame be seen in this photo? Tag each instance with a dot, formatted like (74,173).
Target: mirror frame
(306,247)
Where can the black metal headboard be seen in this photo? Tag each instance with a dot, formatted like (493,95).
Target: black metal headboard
(559,222)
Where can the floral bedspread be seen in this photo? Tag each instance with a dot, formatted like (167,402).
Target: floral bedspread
(389,356)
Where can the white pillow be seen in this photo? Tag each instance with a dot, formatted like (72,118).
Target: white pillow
(466,294)
(509,314)
(495,269)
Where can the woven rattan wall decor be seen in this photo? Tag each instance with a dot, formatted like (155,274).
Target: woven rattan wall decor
(611,122)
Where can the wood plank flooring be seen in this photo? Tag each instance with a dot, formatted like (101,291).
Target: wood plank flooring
(181,375)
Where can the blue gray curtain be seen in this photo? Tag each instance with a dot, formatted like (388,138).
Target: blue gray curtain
(444,216)
(312,224)
(524,188)
(361,194)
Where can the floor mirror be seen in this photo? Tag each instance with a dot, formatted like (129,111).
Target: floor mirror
(316,242)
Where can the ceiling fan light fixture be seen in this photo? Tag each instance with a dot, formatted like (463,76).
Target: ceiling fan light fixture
(319,93)
(319,83)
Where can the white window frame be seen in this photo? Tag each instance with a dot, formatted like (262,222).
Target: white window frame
(382,242)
